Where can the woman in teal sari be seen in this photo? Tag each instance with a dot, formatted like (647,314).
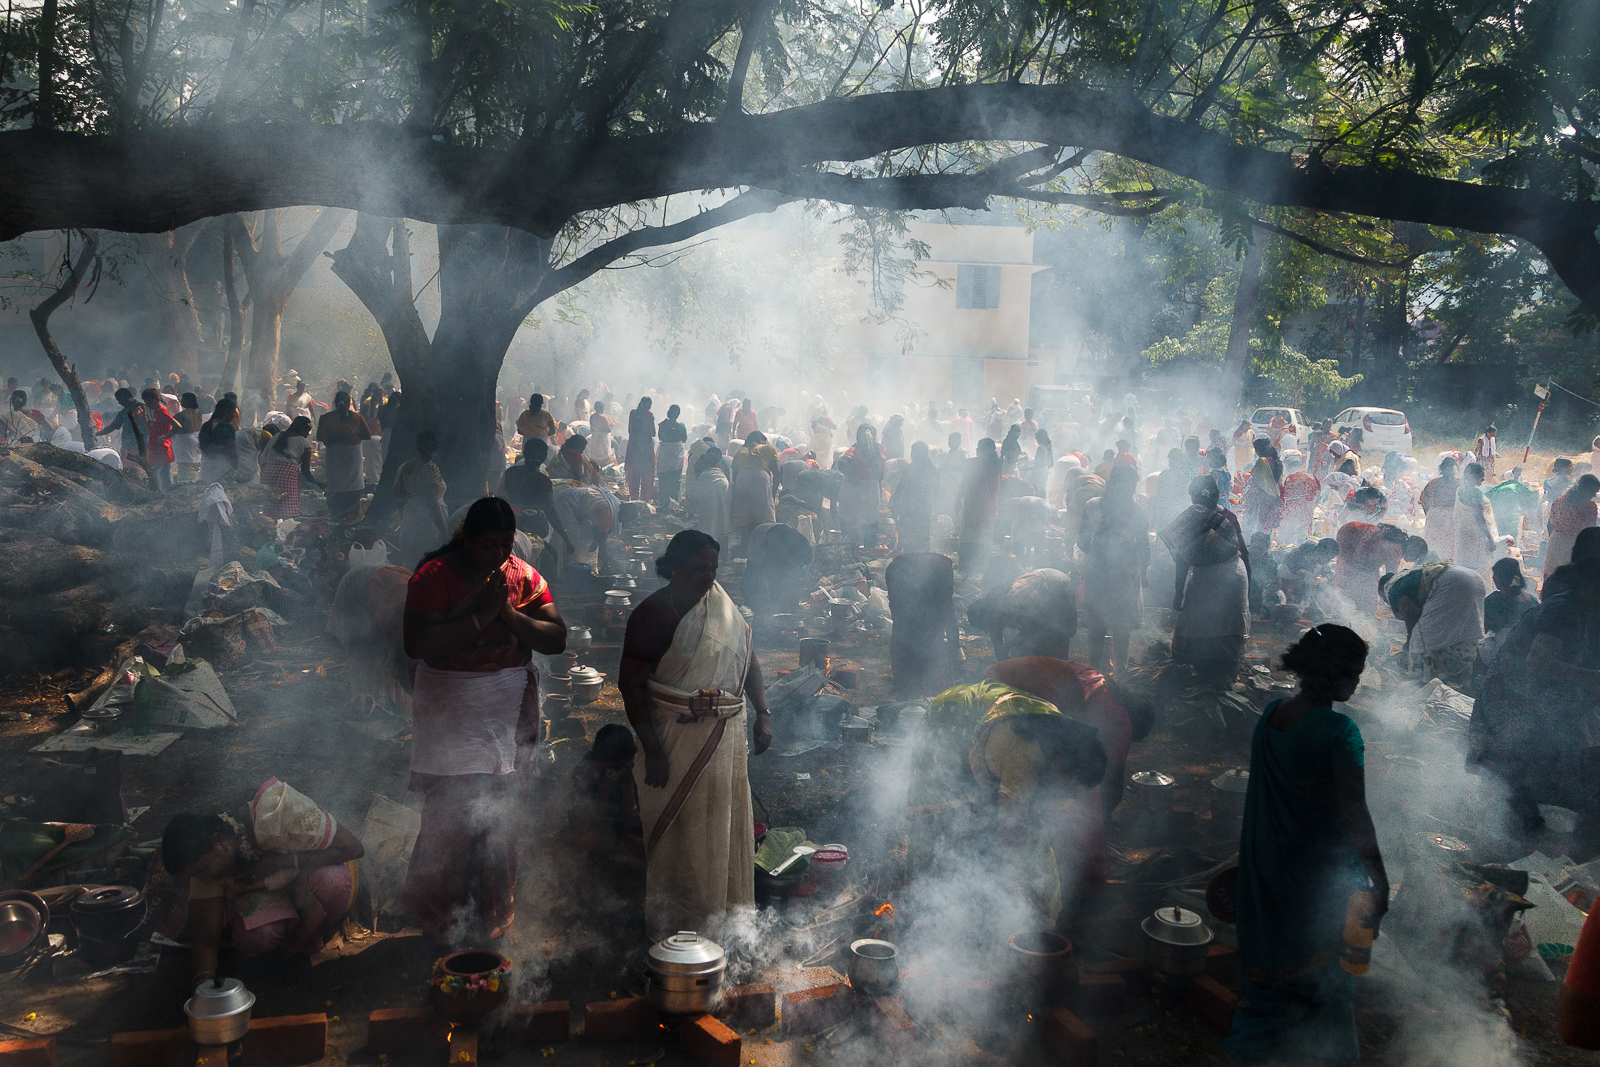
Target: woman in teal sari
(1307,847)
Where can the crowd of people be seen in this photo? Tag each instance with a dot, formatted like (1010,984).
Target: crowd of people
(1064,519)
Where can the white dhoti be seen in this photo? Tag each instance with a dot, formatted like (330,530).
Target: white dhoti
(698,829)
(1472,551)
(341,467)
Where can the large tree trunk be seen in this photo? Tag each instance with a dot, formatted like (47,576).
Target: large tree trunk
(1237,360)
(231,360)
(488,278)
(167,256)
(40,317)
(273,277)
(1388,340)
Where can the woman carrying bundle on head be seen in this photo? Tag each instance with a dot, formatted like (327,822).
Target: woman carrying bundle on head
(474,615)
(1308,864)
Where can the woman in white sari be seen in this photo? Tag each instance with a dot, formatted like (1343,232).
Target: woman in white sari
(710,496)
(687,673)
(419,487)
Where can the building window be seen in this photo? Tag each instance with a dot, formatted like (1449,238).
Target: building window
(977,287)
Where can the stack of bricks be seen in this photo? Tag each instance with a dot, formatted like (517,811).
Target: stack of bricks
(301,1038)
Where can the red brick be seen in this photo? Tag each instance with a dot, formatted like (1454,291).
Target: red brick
(395,1030)
(301,1038)
(463,1047)
(152,1048)
(542,1024)
(1135,973)
(619,1020)
(28,1052)
(807,1011)
(1213,1001)
(893,1026)
(749,1007)
(1102,994)
(710,1041)
(1074,1044)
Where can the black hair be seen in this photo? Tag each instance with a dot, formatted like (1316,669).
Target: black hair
(18,398)
(1587,546)
(684,546)
(188,400)
(1509,571)
(1078,747)
(1414,550)
(1203,492)
(1586,484)
(535,402)
(489,514)
(1141,712)
(282,440)
(427,443)
(628,512)
(1474,469)
(187,839)
(1562,463)
(1325,656)
(536,447)
(613,743)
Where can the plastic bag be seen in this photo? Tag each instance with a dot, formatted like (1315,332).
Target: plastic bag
(388,835)
(377,555)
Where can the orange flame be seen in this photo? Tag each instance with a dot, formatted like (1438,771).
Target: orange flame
(887,909)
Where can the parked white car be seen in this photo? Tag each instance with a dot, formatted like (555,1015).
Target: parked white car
(1261,420)
(1382,429)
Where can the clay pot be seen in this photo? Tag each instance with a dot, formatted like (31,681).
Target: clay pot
(1042,966)
(463,1005)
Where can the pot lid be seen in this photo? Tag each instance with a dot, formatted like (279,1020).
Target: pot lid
(107,898)
(687,952)
(219,998)
(1153,779)
(618,592)
(1236,780)
(1177,926)
(584,672)
(1445,842)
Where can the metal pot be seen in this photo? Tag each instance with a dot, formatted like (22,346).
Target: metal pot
(586,684)
(618,598)
(1228,791)
(1176,942)
(22,929)
(105,920)
(684,973)
(623,581)
(1153,790)
(874,966)
(579,636)
(219,1011)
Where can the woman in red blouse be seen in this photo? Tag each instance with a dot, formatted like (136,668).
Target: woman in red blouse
(474,614)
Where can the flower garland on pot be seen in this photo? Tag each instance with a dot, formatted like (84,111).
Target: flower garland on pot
(468,985)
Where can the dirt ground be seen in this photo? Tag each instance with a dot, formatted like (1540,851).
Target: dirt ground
(292,709)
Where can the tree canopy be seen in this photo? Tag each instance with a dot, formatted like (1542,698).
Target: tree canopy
(141,115)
